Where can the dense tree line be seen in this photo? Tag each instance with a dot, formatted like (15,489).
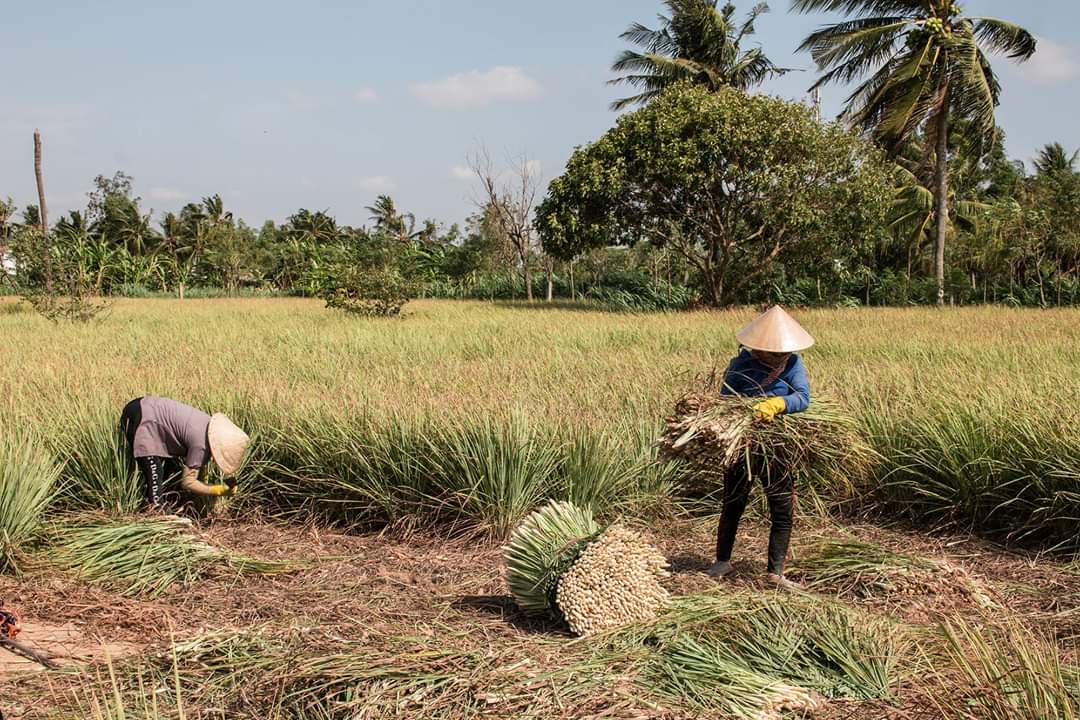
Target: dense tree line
(703,194)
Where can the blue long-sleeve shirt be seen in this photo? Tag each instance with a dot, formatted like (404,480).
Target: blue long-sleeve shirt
(744,376)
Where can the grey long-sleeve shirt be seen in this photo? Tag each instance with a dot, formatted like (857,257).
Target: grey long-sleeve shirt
(172,429)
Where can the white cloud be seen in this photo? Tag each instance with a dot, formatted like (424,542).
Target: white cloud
(366,95)
(460,172)
(376,183)
(168,194)
(1051,64)
(301,102)
(477,88)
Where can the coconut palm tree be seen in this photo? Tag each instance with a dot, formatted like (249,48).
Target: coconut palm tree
(384,214)
(1055,160)
(697,43)
(922,63)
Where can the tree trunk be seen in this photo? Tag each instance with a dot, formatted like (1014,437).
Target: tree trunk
(549,292)
(527,272)
(573,289)
(43,212)
(941,188)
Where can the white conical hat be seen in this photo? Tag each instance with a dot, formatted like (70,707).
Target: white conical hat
(227,443)
(774,331)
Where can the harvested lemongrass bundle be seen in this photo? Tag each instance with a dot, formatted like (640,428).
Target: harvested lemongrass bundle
(711,431)
(559,564)
(864,570)
(755,655)
(144,557)
(615,581)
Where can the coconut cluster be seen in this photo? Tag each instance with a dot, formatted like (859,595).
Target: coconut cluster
(615,581)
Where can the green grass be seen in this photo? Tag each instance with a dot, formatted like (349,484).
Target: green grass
(740,652)
(1014,671)
(28,477)
(465,414)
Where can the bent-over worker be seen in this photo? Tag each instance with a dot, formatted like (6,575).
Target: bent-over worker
(159,429)
(767,366)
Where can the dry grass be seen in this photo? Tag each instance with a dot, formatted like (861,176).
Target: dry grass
(442,606)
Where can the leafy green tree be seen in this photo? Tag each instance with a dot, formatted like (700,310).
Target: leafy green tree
(696,43)
(7,225)
(732,182)
(927,65)
(120,184)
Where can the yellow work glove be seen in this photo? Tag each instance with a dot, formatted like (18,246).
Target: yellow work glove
(769,409)
(189,482)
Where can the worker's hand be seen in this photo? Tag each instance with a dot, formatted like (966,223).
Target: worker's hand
(222,490)
(769,409)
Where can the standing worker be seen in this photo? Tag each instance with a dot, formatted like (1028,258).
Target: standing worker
(767,367)
(159,429)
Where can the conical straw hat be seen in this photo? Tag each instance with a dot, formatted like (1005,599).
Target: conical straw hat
(774,331)
(227,443)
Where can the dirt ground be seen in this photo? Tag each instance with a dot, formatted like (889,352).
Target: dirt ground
(356,586)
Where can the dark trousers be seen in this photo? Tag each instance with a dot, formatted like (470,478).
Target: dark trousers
(779,491)
(152,469)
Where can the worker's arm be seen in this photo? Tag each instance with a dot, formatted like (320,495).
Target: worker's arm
(189,481)
(799,397)
(735,377)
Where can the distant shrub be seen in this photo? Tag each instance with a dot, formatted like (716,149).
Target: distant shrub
(647,297)
(379,292)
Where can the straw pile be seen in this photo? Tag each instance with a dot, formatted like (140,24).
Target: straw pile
(560,564)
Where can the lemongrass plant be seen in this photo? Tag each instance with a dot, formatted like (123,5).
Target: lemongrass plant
(28,478)
(1012,671)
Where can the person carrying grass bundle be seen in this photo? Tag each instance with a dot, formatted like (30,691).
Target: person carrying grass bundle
(159,429)
(767,366)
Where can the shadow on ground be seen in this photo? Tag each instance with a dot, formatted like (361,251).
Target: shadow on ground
(504,608)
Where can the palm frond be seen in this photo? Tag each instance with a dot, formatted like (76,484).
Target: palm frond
(975,87)
(856,46)
(1005,37)
(861,8)
(747,28)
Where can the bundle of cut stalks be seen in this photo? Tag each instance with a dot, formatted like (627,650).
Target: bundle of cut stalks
(711,432)
(560,564)
(143,556)
(865,571)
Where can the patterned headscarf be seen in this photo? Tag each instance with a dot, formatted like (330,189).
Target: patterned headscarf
(776,366)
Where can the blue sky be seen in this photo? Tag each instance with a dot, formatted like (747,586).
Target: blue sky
(326,104)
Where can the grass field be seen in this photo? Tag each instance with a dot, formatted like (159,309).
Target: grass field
(971,409)
(459,418)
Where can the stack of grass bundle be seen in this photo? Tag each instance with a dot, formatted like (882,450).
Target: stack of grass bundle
(865,570)
(561,564)
(710,432)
